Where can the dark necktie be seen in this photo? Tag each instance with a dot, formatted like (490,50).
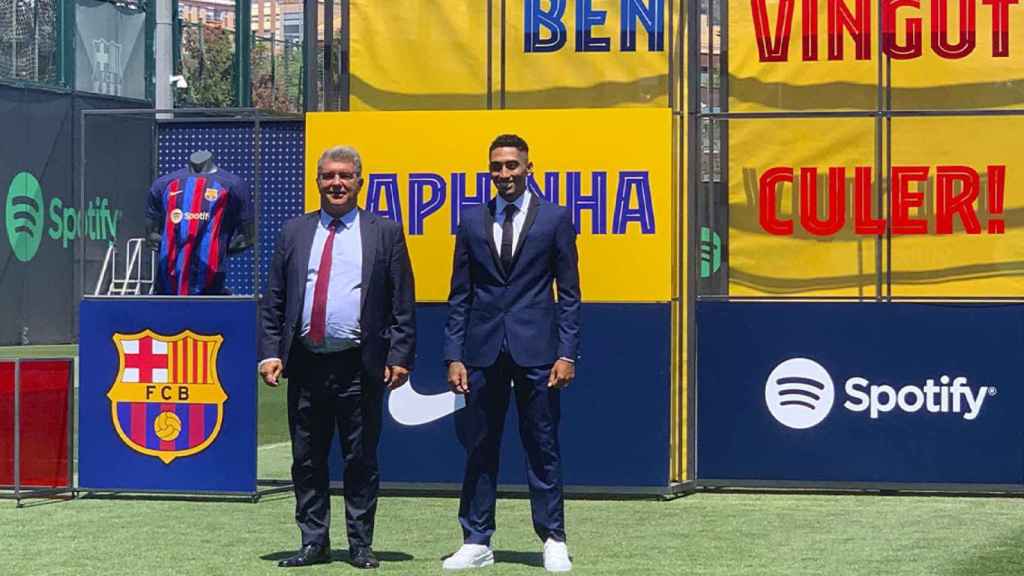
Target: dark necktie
(506,237)
(318,318)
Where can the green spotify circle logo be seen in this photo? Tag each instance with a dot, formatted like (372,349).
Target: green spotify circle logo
(23,216)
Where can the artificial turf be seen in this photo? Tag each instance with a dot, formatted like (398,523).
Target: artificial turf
(714,534)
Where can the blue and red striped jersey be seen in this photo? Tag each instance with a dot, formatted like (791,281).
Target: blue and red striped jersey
(199,215)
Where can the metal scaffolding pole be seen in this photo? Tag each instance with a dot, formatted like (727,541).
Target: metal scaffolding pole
(309,45)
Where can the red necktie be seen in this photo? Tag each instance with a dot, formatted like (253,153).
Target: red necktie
(318,319)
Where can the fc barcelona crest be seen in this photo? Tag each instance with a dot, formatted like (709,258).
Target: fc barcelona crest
(167,400)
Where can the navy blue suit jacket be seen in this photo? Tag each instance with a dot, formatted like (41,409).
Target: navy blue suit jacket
(487,304)
(387,319)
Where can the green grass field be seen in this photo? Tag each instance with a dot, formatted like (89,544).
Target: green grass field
(715,534)
(727,535)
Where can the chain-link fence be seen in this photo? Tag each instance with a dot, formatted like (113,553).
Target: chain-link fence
(29,40)
(276,74)
(207,62)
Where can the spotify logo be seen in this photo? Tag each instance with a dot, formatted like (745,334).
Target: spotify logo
(23,216)
(799,393)
(710,252)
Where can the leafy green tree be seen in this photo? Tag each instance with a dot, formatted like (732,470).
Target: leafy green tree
(207,61)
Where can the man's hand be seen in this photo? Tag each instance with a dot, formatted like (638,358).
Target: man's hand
(458,378)
(270,371)
(561,374)
(395,376)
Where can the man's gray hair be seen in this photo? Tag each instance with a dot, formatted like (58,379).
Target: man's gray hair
(341,154)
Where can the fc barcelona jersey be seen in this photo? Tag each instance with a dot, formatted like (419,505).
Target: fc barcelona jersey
(199,214)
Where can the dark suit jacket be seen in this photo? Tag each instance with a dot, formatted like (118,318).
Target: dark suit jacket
(387,317)
(486,304)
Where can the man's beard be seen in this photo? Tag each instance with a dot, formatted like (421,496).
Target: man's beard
(510,187)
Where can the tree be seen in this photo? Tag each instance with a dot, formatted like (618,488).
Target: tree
(207,61)
(276,75)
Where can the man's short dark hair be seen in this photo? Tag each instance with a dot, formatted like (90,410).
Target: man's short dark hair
(509,141)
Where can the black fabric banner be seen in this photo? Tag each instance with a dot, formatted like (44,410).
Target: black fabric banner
(36,285)
(41,217)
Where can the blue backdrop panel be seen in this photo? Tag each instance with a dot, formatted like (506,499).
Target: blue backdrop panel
(106,461)
(615,416)
(921,393)
(281,157)
(282,184)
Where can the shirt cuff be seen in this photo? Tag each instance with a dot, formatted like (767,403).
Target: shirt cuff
(567,359)
(264,361)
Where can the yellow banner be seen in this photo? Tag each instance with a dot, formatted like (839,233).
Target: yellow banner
(600,53)
(450,54)
(418,55)
(612,168)
(805,217)
(764,263)
(984,253)
(824,54)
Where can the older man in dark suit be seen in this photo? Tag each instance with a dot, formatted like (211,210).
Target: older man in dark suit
(505,326)
(338,319)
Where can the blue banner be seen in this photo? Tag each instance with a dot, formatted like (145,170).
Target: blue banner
(167,400)
(860,392)
(615,416)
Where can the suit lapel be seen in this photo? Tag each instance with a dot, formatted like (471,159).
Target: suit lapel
(489,235)
(304,246)
(368,235)
(531,215)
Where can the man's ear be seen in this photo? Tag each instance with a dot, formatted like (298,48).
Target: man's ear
(529,167)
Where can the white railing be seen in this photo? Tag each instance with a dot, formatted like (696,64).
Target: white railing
(131,281)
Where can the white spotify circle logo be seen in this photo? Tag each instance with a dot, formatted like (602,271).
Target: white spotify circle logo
(799,393)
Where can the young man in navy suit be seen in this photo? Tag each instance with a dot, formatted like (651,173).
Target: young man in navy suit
(339,320)
(504,327)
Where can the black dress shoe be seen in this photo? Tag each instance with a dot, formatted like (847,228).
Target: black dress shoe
(363,558)
(309,555)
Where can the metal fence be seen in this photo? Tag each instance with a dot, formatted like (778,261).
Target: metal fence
(33,34)
(276,68)
(206,60)
(30,41)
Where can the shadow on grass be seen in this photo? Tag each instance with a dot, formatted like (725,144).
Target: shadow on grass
(37,501)
(515,557)
(342,556)
(1004,558)
(534,559)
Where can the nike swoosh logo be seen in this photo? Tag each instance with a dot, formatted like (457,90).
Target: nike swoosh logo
(175,193)
(410,408)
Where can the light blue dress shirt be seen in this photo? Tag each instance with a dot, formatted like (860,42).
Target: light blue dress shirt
(344,290)
(522,204)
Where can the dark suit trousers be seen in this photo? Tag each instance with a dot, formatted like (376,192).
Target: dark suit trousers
(480,425)
(326,392)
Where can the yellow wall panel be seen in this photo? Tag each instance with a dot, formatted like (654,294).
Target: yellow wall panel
(629,149)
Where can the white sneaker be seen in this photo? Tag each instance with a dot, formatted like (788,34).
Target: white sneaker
(469,556)
(556,556)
